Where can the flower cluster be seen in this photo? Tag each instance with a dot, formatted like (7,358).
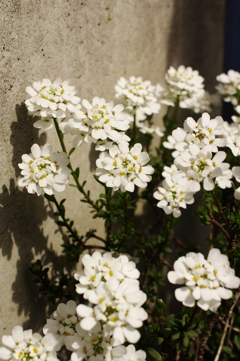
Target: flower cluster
(101,123)
(139,96)
(98,333)
(64,323)
(27,346)
(122,168)
(185,85)
(52,100)
(111,285)
(229,86)
(194,146)
(44,171)
(206,280)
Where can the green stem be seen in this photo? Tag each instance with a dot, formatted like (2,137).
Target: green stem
(79,186)
(69,228)
(108,192)
(175,110)
(125,208)
(134,128)
(219,207)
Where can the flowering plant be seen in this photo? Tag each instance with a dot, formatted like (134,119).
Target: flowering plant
(118,309)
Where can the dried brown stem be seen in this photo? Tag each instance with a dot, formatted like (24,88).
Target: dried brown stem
(223,230)
(178,241)
(162,260)
(229,316)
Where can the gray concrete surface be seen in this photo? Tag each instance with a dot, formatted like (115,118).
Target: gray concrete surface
(92,43)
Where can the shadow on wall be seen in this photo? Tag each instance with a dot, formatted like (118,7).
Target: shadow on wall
(22,215)
(196,37)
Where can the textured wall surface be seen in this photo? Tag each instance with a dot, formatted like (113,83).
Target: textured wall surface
(91,43)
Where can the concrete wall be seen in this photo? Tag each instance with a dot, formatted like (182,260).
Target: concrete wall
(92,43)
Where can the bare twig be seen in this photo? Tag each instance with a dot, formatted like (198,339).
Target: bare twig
(165,355)
(233,328)
(224,231)
(178,241)
(226,327)
(162,260)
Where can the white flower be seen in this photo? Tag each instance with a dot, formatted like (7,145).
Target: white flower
(229,86)
(200,102)
(110,283)
(122,168)
(25,345)
(205,133)
(64,322)
(172,197)
(206,281)
(51,100)
(133,355)
(99,122)
(202,163)
(146,128)
(185,79)
(139,95)
(183,83)
(98,268)
(44,171)
(224,180)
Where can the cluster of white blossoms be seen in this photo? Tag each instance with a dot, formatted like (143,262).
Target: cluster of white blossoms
(98,333)
(186,85)
(27,346)
(229,86)
(111,285)
(101,123)
(98,122)
(195,162)
(206,280)
(44,170)
(50,101)
(140,97)
(122,168)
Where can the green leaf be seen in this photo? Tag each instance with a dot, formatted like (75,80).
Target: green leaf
(192,333)
(71,151)
(60,223)
(215,209)
(49,197)
(184,319)
(76,172)
(186,340)
(154,353)
(160,340)
(176,336)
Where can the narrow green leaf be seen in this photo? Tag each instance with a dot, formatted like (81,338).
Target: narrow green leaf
(49,197)
(160,340)
(192,333)
(60,223)
(154,354)
(184,319)
(176,336)
(71,151)
(77,172)
(186,340)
